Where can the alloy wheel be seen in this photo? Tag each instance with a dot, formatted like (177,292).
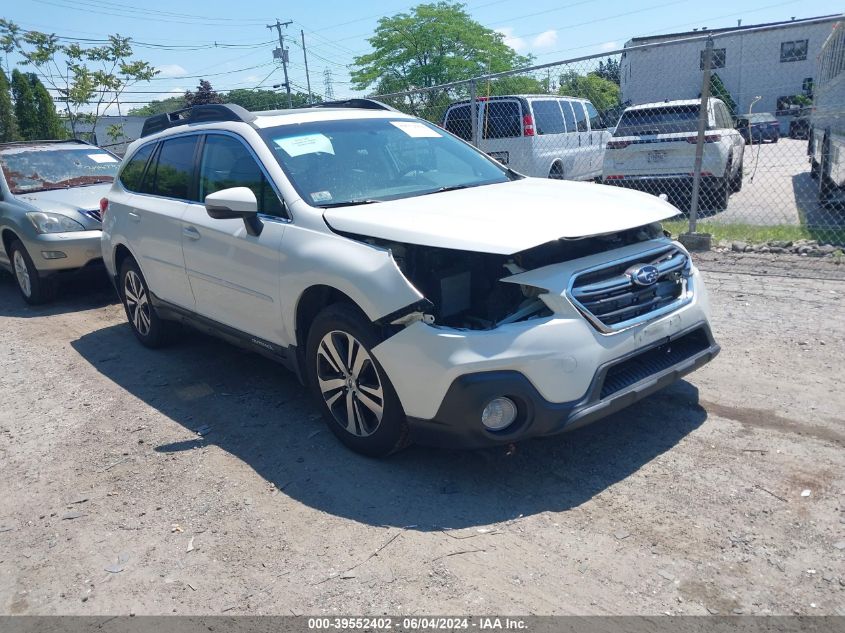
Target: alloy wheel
(137,302)
(349,383)
(22,273)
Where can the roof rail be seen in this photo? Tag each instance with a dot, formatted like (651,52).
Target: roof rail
(206,113)
(363,104)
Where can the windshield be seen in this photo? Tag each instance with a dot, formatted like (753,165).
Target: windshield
(658,121)
(28,170)
(359,161)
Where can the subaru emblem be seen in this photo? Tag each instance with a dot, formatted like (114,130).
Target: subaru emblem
(644,275)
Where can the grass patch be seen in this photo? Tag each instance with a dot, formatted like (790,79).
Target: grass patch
(756,234)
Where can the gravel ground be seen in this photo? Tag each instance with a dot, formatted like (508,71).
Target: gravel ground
(722,494)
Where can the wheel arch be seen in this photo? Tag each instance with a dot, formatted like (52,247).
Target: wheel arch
(311,302)
(8,236)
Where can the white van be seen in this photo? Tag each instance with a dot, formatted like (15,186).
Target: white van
(536,135)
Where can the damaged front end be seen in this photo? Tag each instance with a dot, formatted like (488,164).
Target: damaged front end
(468,290)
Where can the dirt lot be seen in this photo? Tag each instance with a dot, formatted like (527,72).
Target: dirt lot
(724,493)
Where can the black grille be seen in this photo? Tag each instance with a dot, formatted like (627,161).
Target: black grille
(611,297)
(653,361)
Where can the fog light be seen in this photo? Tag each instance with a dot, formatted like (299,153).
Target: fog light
(53,255)
(498,414)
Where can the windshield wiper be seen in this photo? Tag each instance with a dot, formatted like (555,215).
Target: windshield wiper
(348,203)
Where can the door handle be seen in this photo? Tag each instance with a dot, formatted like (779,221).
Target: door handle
(191,233)
(134,216)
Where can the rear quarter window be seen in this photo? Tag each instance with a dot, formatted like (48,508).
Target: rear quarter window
(132,175)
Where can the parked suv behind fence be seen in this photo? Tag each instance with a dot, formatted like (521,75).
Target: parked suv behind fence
(653,149)
(421,289)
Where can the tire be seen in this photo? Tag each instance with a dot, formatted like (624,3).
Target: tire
(826,186)
(359,389)
(556,172)
(736,180)
(719,193)
(147,326)
(814,169)
(33,288)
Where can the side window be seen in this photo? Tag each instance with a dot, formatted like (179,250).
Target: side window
(547,117)
(226,163)
(172,174)
(502,119)
(458,122)
(596,122)
(580,116)
(568,115)
(132,174)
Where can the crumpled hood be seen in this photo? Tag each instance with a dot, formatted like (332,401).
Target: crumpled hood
(504,218)
(67,201)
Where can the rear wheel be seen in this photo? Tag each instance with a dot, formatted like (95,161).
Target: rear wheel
(33,288)
(826,186)
(353,391)
(147,326)
(736,181)
(719,192)
(556,172)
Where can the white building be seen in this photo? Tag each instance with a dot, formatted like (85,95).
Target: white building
(773,61)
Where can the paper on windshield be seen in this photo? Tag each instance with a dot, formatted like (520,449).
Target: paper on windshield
(415,129)
(102,158)
(306,144)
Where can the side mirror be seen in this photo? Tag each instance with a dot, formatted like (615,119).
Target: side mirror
(235,203)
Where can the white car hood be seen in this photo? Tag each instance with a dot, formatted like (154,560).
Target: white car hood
(504,218)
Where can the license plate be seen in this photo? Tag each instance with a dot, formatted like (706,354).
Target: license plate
(502,157)
(656,156)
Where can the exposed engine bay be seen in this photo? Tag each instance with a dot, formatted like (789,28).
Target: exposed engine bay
(464,287)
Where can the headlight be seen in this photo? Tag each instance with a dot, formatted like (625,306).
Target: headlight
(45,222)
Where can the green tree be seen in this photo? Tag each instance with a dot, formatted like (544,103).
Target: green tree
(603,93)
(26,108)
(432,44)
(50,126)
(257,100)
(8,123)
(171,104)
(89,80)
(719,91)
(204,94)
(609,70)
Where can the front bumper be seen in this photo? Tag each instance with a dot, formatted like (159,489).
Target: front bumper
(615,386)
(81,249)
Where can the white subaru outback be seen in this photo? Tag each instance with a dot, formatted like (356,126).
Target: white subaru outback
(422,290)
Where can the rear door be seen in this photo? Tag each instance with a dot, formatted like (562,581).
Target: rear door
(501,134)
(458,121)
(583,163)
(553,145)
(234,275)
(154,219)
(598,139)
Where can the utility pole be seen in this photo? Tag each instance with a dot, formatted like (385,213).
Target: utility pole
(307,76)
(282,53)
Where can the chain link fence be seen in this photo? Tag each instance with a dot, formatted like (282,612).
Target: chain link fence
(742,130)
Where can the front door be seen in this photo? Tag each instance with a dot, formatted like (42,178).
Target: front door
(235,275)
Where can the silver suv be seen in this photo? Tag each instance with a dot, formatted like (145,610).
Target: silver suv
(50,194)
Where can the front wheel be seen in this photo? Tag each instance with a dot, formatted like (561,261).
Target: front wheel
(33,288)
(147,326)
(353,391)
